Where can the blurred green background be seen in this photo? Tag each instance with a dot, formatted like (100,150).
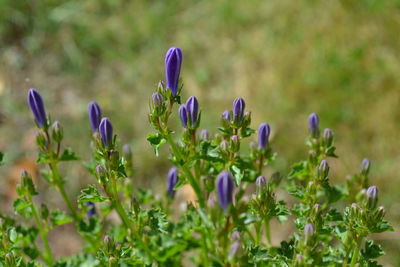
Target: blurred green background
(286,58)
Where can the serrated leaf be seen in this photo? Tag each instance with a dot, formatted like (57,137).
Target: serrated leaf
(58,217)
(68,155)
(22,207)
(156,141)
(372,250)
(90,194)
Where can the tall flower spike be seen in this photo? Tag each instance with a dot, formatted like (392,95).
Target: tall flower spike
(36,104)
(192,108)
(313,125)
(172,181)
(238,109)
(225,189)
(106,131)
(263,135)
(183,115)
(94,115)
(173,62)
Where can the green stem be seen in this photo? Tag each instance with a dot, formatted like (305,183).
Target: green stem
(43,233)
(356,254)
(195,185)
(117,203)
(268,232)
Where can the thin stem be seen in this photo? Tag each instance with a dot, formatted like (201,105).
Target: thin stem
(195,185)
(356,254)
(268,232)
(43,233)
(117,203)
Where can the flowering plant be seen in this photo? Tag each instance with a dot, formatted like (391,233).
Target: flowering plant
(229,223)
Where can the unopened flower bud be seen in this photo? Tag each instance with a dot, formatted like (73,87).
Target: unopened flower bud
(236,236)
(235,249)
(57,132)
(226,119)
(36,104)
(172,181)
(235,143)
(261,182)
(276,178)
(41,141)
(372,197)
(183,115)
(91,209)
(313,125)
(106,132)
(238,110)
(225,187)
(173,63)
(299,261)
(308,231)
(328,137)
(263,135)
(192,108)
(365,166)
(10,260)
(323,169)
(94,115)
(205,135)
(223,146)
(157,100)
(101,173)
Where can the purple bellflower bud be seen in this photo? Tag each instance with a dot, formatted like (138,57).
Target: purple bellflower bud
(172,181)
(183,115)
(94,115)
(91,211)
(238,110)
(261,182)
(157,99)
(36,104)
(225,189)
(372,197)
(106,131)
(226,115)
(328,137)
(57,131)
(365,165)
(263,135)
(235,249)
(205,135)
(173,62)
(192,108)
(308,230)
(313,125)
(323,169)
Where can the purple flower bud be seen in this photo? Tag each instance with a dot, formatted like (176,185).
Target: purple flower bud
(365,165)
(173,62)
(127,151)
(157,99)
(328,136)
(183,115)
(261,182)
(313,124)
(204,135)
(172,181)
(36,104)
(263,135)
(236,236)
(225,189)
(226,115)
(323,169)
(235,249)
(106,131)
(94,115)
(224,145)
(238,109)
(308,230)
(57,131)
(235,143)
(372,197)
(101,171)
(192,108)
(91,211)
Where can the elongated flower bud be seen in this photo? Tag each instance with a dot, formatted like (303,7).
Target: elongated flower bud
(205,135)
(323,169)
(106,131)
(308,230)
(183,115)
(157,99)
(372,197)
(235,249)
(36,104)
(225,189)
(261,182)
(263,135)
(172,181)
(91,211)
(236,236)
(192,108)
(238,110)
(313,125)
(328,137)
(365,165)
(173,62)
(94,115)
(57,131)
(235,143)
(226,115)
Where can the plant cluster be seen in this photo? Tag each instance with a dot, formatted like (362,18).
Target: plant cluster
(229,223)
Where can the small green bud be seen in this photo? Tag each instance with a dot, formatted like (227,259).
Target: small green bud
(27,183)
(223,146)
(41,141)
(328,137)
(10,260)
(57,132)
(323,170)
(372,197)
(235,143)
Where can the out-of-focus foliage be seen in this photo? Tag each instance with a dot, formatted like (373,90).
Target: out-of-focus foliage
(286,58)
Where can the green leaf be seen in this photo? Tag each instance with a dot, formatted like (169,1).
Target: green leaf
(22,207)
(90,194)
(299,171)
(68,155)
(156,141)
(58,217)
(13,235)
(372,250)
(382,226)
(43,158)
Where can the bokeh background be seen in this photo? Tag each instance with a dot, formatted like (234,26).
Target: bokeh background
(286,58)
